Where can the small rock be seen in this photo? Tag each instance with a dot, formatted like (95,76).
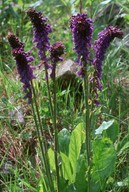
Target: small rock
(67,78)
(16,116)
(67,67)
(6,167)
(66,74)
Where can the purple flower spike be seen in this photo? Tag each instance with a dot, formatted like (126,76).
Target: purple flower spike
(14,41)
(57,49)
(25,71)
(81,28)
(23,59)
(41,32)
(104,39)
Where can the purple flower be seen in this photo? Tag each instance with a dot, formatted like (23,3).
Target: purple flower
(81,28)
(14,41)
(104,39)
(41,32)
(57,49)
(81,72)
(23,59)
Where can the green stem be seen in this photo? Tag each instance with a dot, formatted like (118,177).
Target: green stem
(80,4)
(91,10)
(41,138)
(49,93)
(87,124)
(55,131)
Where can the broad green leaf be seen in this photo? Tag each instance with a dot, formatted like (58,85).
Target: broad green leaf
(66,167)
(113,131)
(64,139)
(80,182)
(105,125)
(104,157)
(51,159)
(76,140)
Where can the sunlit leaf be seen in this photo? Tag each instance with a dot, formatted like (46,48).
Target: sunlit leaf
(51,159)
(76,140)
(66,166)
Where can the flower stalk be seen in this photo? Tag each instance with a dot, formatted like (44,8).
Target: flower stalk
(41,137)
(41,30)
(82,28)
(56,149)
(87,126)
(57,50)
(49,92)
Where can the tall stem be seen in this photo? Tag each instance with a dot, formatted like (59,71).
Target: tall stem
(55,129)
(49,94)
(87,123)
(80,6)
(41,138)
(91,10)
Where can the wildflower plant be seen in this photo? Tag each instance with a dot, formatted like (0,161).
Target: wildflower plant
(63,168)
(82,28)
